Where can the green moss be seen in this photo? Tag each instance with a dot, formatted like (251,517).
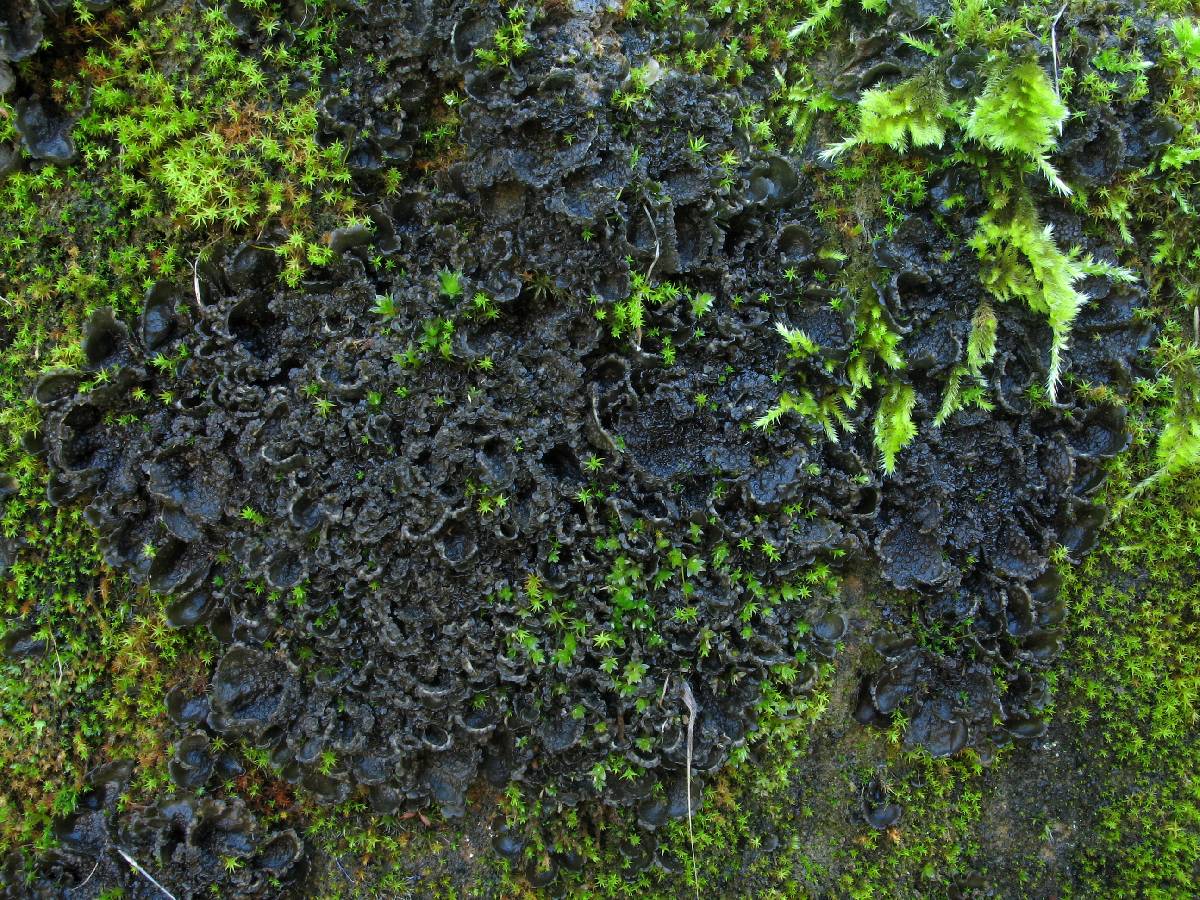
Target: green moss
(893,423)
(1020,259)
(912,113)
(1133,679)
(159,156)
(218,147)
(1020,113)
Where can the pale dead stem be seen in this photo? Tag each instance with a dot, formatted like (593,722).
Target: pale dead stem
(1054,52)
(690,702)
(637,338)
(138,868)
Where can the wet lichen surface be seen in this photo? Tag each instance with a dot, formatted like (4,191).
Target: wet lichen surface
(595,449)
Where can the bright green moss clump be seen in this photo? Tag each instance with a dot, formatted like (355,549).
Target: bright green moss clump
(1021,113)
(1133,681)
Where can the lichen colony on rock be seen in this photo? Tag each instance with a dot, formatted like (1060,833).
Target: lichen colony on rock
(481,496)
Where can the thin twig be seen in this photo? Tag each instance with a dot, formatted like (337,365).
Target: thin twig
(342,869)
(657,245)
(1054,52)
(690,702)
(57,657)
(138,868)
(196,272)
(82,884)
(196,283)
(637,336)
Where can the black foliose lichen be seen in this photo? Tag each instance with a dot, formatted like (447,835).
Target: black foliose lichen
(484,496)
(207,846)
